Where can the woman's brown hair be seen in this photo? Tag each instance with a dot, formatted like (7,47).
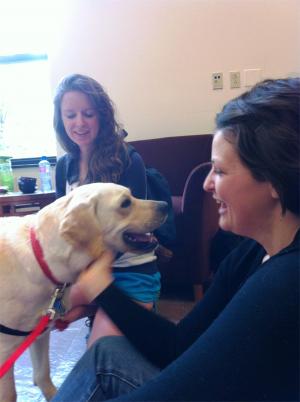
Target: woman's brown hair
(109,156)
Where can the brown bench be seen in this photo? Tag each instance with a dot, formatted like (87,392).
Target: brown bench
(180,160)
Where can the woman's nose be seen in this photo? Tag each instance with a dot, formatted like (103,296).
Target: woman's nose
(208,184)
(80,119)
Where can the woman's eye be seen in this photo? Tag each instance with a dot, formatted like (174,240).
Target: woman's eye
(70,116)
(217,171)
(126,203)
(89,115)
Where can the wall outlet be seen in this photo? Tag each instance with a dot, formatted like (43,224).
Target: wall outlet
(235,79)
(217,80)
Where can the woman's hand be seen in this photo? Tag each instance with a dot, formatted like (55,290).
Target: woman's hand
(88,286)
(92,281)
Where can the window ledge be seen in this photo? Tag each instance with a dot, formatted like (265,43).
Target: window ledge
(30,162)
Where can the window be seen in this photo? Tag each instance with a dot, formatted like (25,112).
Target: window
(26,109)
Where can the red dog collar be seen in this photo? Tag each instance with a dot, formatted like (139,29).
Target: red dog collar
(39,255)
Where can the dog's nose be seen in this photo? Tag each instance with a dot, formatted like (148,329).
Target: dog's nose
(163,207)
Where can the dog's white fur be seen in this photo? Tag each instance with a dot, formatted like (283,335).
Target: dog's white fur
(73,231)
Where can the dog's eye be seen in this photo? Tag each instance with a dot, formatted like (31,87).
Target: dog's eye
(126,203)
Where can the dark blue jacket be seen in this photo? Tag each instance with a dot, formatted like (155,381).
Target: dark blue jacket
(134,177)
(240,343)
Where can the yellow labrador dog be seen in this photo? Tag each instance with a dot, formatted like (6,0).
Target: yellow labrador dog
(69,234)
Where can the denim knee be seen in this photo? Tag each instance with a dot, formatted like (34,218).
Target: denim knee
(120,368)
(110,368)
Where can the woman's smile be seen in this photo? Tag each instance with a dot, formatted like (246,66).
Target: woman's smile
(222,206)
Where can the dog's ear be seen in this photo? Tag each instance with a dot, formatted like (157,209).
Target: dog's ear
(80,227)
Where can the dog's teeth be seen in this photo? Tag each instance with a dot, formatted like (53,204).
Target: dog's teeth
(141,241)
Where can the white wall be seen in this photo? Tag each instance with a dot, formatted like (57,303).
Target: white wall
(155,57)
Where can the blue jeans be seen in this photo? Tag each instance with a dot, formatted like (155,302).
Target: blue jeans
(110,368)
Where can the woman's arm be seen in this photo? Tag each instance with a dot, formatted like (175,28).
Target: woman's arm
(160,340)
(249,353)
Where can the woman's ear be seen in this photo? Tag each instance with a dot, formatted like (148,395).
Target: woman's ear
(273,192)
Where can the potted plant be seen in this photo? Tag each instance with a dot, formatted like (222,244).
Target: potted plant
(6,175)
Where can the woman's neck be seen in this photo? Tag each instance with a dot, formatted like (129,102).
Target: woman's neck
(281,234)
(83,165)
(85,154)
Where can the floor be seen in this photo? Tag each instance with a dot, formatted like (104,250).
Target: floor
(66,348)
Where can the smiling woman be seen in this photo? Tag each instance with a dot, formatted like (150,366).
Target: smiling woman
(86,128)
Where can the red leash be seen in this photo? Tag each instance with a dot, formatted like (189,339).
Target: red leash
(27,342)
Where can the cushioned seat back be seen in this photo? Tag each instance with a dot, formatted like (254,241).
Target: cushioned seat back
(200,213)
(175,157)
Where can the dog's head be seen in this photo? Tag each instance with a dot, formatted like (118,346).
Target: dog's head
(106,215)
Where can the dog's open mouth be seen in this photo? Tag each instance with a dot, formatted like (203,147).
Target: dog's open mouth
(140,241)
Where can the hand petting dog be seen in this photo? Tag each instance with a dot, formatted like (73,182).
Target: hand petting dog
(88,286)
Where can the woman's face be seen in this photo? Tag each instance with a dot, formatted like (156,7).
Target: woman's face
(80,119)
(246,206)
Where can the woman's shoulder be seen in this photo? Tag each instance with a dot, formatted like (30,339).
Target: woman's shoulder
(287,261)
(277,283)
(132,152)
(60,164)
(135,160)
(247,259)
(67,168)
(239,264)
(271,286)
(246,253)
(63,160)
(279,275)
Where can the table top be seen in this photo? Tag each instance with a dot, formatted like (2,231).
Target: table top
(17,195)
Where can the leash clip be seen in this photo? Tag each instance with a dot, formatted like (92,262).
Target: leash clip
(56,305)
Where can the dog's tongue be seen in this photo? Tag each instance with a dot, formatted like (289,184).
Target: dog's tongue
(141,237)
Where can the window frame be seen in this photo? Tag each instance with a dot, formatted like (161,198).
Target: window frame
(30,162)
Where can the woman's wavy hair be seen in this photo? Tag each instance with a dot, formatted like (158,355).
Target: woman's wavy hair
(109,156)
(264,126)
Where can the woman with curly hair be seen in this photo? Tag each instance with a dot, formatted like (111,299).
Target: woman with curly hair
(86,128)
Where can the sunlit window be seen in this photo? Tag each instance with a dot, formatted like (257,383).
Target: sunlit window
(26,107)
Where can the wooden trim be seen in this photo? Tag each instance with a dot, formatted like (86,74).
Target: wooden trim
(19,204)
